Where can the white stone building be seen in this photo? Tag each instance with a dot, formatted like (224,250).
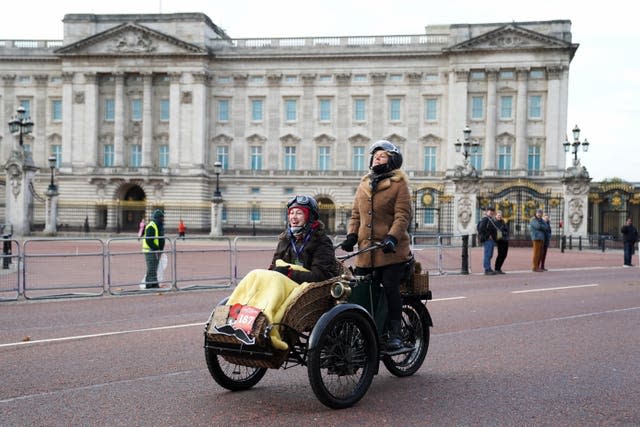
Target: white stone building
(138,108)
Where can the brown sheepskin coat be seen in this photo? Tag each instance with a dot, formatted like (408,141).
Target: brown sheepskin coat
(376,214)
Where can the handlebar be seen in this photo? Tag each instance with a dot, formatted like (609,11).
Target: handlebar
(360,251)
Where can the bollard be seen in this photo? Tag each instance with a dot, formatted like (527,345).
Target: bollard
(563,243)
(604,244)
(465,255)
(570,242)
(579,243)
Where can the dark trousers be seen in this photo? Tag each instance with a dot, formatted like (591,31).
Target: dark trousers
(503,248)
(152,259)
(543,255)
(629,249)
(390,277)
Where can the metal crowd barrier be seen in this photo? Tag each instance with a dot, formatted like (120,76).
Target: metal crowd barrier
(88,267)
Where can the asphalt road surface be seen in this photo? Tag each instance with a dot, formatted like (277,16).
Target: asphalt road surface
(560,348)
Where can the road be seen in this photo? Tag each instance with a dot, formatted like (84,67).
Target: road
(556,348)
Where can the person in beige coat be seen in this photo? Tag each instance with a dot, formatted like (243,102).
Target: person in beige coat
(381,214)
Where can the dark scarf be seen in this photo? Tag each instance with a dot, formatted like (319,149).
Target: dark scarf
(375,178)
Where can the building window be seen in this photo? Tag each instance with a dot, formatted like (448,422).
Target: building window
(109,110)
(506,107)
(56,151)
(428,216)
(257,79)
(504,159)
(256,158)
(256,110)
(360,78)
(223,110)
(107,155)
(431,77)
(290,158)
(163,156)
(26,104)
(287,190)
(358,159)
(533,160)
(290,110)
(431,109)
(224,79)
(475,158)
(359,109)
(56,110)
(395,106)
(324,158)
(255,213)
(477,75)
(290,79)
(477,107)
(222,156)
(536,74)
(395,77)
(254,190)
(135,156)
(136,109)
(430,159)
(506,75)
(326,78)
(535,107)
(324,110)
(164,110)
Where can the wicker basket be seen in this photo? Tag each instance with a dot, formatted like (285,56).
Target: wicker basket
(421,283)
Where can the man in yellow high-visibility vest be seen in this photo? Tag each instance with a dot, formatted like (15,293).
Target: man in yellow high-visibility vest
(152,246)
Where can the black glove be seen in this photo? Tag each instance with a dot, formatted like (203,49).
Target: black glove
(389,244)
(349,242)
(283,270)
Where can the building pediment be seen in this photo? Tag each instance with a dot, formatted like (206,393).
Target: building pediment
(511,37)
(130,39)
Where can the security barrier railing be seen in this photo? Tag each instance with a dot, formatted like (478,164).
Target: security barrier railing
(91,267)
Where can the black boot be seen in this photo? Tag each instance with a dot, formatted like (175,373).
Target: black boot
(395,330)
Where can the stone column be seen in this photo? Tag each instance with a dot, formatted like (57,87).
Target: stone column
(457,115)
(576,203)
(67,120)
(199,119)
(378,117)
(216,217)
(465,204)
(490,128)
(19,172)
(147,120)
(520,165)
(51,212)
(90,145)
(174,120)
(118,124)
(554,124)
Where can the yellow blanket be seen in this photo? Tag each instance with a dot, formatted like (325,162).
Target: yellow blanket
(269,291)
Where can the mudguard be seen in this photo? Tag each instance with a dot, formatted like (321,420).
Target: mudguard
(324,320)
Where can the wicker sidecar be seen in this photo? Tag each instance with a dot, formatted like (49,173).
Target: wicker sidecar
(336,328)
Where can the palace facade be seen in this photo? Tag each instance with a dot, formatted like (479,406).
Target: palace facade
(138,109)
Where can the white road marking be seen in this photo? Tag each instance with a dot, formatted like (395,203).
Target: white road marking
(446,299)
(104,334)
(554,289)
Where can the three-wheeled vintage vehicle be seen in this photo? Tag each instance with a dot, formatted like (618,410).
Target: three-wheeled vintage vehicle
(336,328)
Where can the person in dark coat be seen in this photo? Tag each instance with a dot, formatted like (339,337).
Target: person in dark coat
(381,214)
(487,234)
(629,237)
(305,243)
(502,242)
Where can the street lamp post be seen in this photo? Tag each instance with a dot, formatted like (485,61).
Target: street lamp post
(19,172)
(575,145)
(216,204)
(467,146)
(50,227)
(21,125)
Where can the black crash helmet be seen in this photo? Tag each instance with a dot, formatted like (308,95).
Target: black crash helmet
(395,157)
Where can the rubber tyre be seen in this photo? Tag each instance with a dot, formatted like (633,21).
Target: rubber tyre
(231,376)
(415,331)
(342,364)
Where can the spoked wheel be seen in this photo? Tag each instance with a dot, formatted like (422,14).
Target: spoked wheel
(231,376)
(415,333)
(344,361)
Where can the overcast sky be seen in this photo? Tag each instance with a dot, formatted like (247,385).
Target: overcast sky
(604,92)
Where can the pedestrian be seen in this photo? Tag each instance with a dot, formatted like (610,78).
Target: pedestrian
(381,215)
(141,227)
(629,237)
(182,229)
(487,234)
(537,229)
(547,240)
(152,247)
(502,242)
